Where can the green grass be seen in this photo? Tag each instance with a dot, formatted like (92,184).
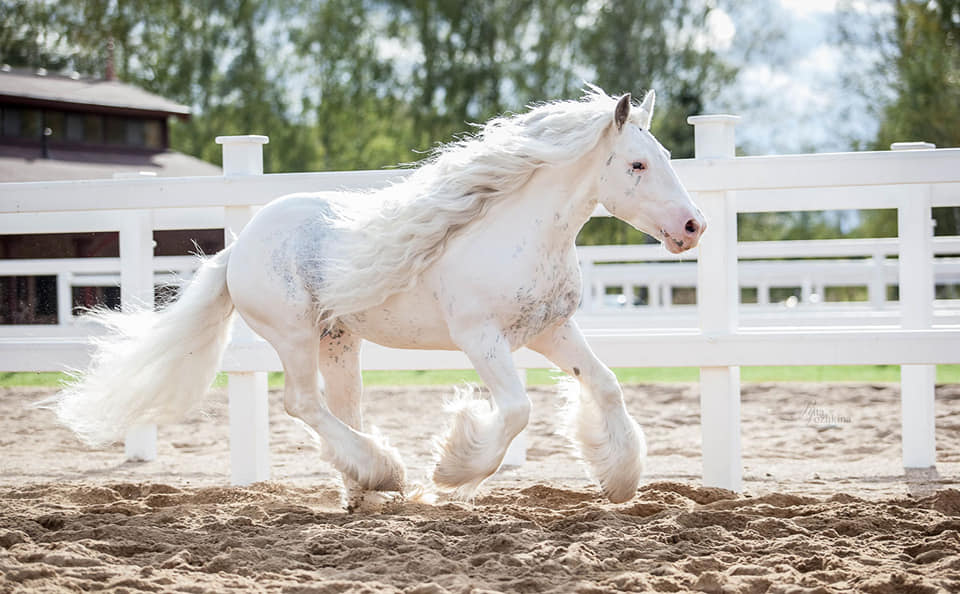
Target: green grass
(26,379)
(946,374)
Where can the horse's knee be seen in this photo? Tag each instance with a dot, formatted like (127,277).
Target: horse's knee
(606,391)
(516,415)
(298,405)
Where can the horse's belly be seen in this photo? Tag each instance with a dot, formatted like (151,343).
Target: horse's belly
(405,321)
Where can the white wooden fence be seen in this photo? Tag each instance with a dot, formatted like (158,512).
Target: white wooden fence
(910,181)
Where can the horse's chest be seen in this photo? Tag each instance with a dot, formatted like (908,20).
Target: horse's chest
(543,304)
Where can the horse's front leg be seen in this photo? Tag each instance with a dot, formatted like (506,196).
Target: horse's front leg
(482,430)
(609,440)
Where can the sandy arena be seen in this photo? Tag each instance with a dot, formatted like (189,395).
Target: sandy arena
(826,506)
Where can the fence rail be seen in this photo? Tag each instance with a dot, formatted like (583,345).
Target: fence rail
(910,181)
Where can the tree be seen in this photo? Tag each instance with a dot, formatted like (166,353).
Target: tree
(375,82)
(466,60)
(921,58)
(656,44)
(926,63)
(927,106)
(356,111)
(24,37)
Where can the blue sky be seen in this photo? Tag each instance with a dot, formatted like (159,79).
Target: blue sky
(792,90)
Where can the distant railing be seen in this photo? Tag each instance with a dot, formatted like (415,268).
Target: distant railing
(614,275)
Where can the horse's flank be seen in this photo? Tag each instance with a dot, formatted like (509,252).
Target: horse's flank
(396,234)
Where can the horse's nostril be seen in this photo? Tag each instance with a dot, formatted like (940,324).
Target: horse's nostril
(692,227)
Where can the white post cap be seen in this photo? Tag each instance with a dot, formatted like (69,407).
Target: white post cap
(912,146)
(713,136)
(719,118)
(243,139)
(134,174)
(242,155)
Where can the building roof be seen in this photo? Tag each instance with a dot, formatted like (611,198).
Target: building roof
(85,93)
(21,164)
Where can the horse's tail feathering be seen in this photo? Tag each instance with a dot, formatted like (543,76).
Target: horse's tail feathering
(151,367)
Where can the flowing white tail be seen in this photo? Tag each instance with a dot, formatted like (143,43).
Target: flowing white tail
(151,367)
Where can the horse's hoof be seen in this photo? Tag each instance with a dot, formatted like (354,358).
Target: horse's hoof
(383,471)
(622,487)
(394,477)
(620,495)
(457,486)
(369,501)
(392,483)
(450,477)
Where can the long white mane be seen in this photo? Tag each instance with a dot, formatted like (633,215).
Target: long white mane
(397,233)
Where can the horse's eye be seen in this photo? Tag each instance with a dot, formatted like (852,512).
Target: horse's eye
(638,166)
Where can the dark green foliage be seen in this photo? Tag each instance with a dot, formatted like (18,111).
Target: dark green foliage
(925,62)
(927,82)
(342,84)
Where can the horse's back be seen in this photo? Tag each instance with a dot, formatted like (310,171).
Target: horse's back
(295,208)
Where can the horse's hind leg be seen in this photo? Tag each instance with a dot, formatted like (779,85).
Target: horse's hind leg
(363,459)
(339,361)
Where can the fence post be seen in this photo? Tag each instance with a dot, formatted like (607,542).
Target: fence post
(763,293)
(246,391)
(64,298)
(877,285)
(717,303)
(654,295)
(917,382)
(136,291)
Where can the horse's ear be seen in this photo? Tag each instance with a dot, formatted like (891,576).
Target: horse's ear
(647,108)
(622,111)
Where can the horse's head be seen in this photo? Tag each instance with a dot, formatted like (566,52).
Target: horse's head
(638,185)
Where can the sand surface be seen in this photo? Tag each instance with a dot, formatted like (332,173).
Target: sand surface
(826,506)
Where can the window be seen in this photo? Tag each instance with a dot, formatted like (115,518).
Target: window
(30,123)
(81,128)
(56,121)
(153,134)
(116,130)
(135,133)
(93,129)
(19,122)
(73,127)
(11,121)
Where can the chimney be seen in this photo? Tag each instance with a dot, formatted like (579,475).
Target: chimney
(109,72)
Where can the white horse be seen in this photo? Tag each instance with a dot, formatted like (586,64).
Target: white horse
(474,251)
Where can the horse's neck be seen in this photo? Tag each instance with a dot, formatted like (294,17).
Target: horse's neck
(562,197)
